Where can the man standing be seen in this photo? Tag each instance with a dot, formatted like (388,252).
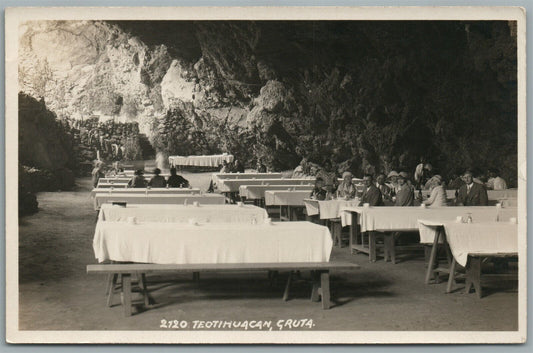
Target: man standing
(471,194)
(371,193)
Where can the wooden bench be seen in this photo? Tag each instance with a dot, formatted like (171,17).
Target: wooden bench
(319,275)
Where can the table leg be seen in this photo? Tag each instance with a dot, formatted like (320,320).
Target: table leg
(386,247)
(287,287)
(393,249)
(112,289)
(451,277)
(433,256)
(316,286)
(126,291)
(473,275)
(324,285)
(372,246)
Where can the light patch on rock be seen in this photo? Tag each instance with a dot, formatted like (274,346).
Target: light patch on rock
(175,86)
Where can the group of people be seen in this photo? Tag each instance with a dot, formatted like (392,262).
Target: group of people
(397,189)
(158,181)
(232,167)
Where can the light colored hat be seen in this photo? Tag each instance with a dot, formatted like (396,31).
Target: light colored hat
(393,173)
(345,174)
(437,177)
(403,175)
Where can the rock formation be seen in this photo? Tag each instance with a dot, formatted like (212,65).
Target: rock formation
(362,93)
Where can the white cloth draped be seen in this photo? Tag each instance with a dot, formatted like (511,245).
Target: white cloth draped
(200,161)
(175,199)
(182,214)
(212,243)
(286,198)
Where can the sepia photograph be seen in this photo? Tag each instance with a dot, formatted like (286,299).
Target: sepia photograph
(266,175)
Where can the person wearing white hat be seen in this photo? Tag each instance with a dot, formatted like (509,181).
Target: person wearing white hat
(437,198)
(405,194)
(346,189)
(392,179)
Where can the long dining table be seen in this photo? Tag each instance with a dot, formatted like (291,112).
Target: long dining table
(257,192)
(200,160)
(140,198)
(289,200)
(211,243)
(208,213)
(145,191)
(233,185)
(464,240)
(405,219)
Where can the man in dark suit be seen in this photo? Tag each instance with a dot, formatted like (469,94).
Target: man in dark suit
(471,194)
(371,193)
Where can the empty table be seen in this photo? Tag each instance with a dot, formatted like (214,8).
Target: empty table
(176,199)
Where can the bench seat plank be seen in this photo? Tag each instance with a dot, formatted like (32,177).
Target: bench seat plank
(148,268)
(319,270)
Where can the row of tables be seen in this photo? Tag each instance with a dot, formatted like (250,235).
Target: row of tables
(187,227)
(277,191)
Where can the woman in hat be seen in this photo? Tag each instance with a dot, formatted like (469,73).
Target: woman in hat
(437,198)
(138,180)
(157,180)
(404,192)
(346,188)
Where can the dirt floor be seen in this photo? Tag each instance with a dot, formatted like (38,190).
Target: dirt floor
(55,245)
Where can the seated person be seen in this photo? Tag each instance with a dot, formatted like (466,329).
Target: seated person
(157,180)
(318,192)
(392,181)
(471,193)
(225,167)
(261,168)
(495,182)
(238,167)
(404,192)
(437,198)
(386,191)
(346,189)
(97,173)
(138,180)
(371,193)
(176,181)
(330,178)
(300,170)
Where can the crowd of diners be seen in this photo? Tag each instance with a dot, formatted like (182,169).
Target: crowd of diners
(379,189)
(400,189)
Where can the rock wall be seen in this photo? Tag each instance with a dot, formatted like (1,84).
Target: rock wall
(356,92)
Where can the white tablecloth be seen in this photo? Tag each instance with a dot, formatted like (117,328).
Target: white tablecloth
(177,243)
(428,227)
(255,192)
(481,238)
(200,161)
(328,209)
(175,199)
(183,214)
(114,180)
(473,238)
(152,191)
(233,185)
(285,198)
(406,218)
(215,177)
(118,185)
